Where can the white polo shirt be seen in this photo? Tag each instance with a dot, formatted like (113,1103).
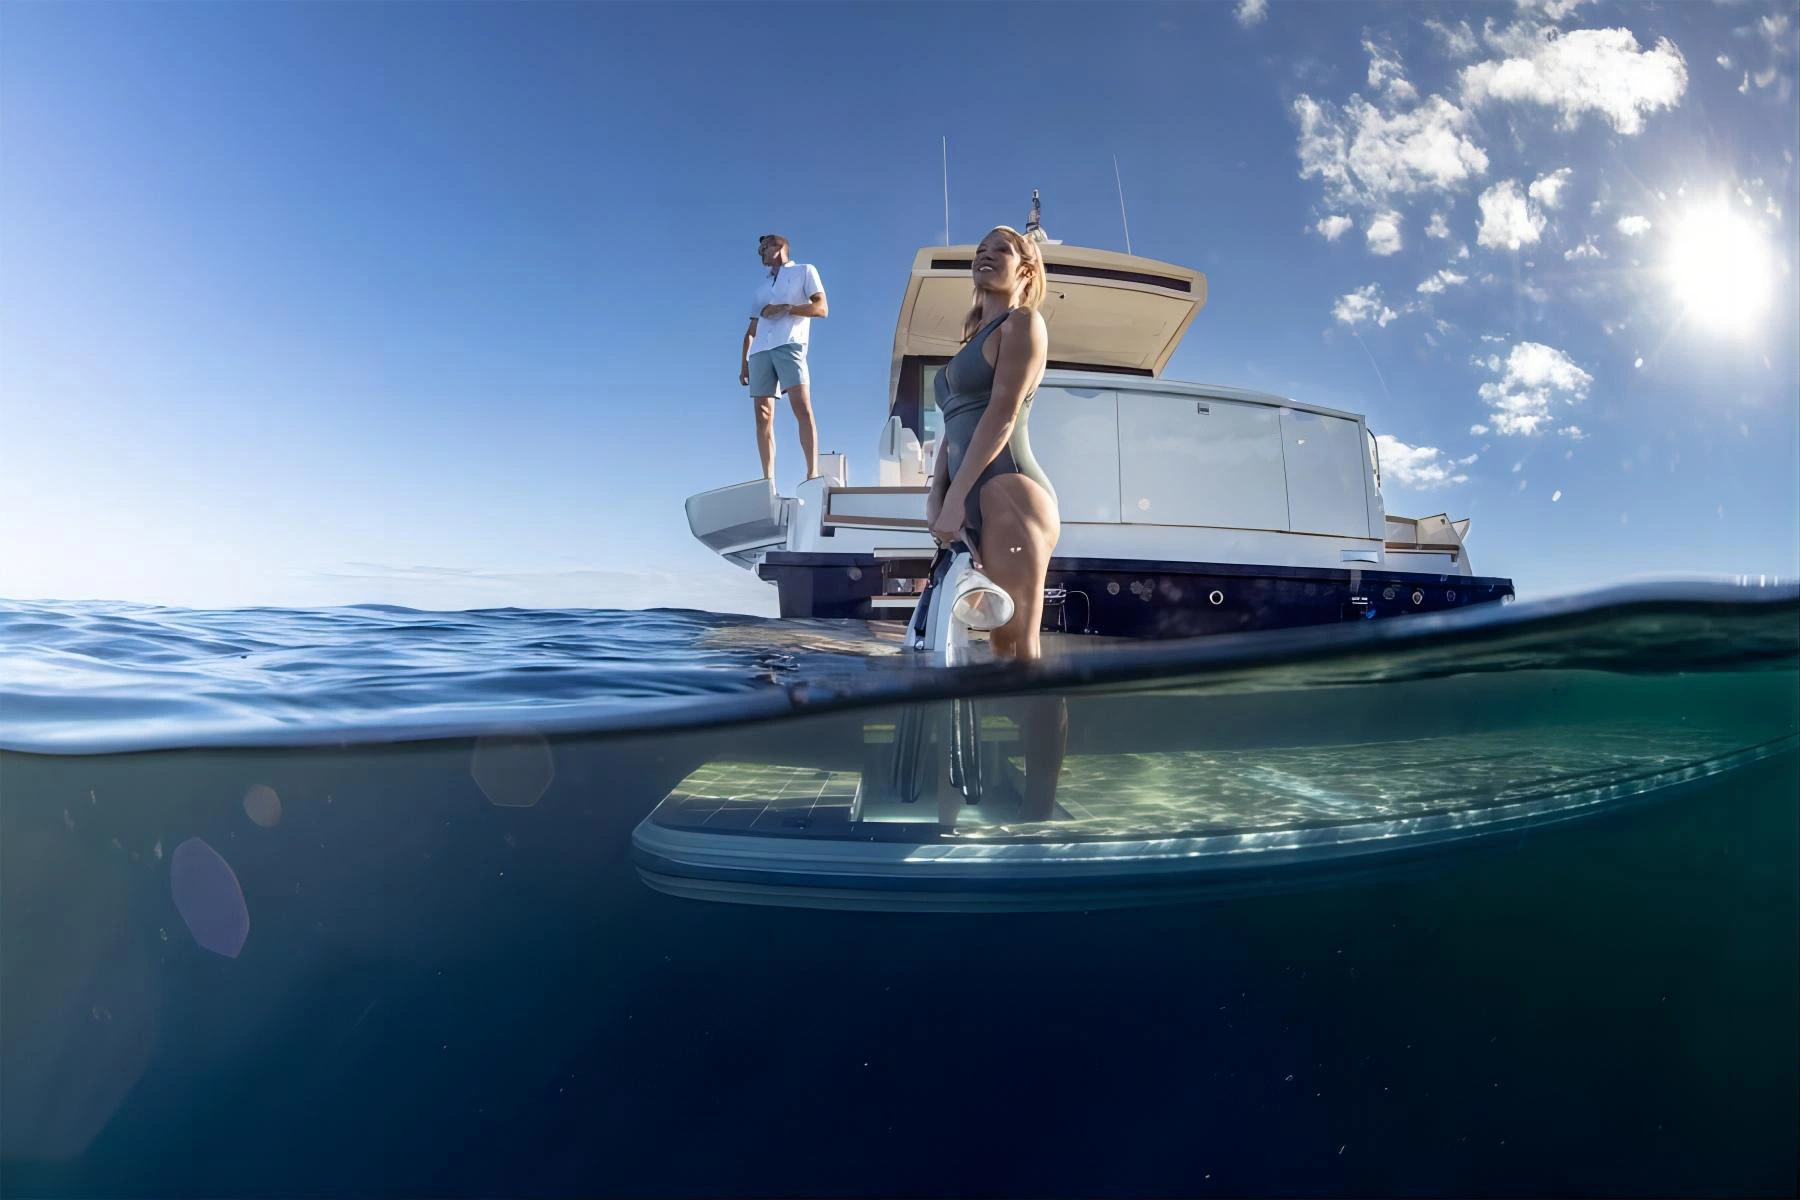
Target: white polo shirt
(796,283)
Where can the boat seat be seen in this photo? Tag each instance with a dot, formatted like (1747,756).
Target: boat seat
(902,459)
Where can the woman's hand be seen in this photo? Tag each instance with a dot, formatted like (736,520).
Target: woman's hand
(947,524)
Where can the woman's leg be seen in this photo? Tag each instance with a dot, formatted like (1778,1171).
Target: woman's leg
(1019,528)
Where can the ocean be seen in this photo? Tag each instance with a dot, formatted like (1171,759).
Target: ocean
(376,901)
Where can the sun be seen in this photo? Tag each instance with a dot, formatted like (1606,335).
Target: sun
(1721,269)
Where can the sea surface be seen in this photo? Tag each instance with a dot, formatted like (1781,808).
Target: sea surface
(358,901)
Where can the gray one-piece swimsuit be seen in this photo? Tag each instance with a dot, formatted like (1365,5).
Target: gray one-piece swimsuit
(964,387)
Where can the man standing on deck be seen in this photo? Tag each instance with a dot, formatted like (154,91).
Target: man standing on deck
(774,359)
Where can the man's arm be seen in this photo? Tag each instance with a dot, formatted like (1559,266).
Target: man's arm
(814,289)
(815,307)
(744,359)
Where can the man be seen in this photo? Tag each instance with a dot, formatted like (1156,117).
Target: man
(774,359)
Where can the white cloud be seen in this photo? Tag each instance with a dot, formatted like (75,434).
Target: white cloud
(1761,79)
(1556,10)
(1555,496)
(1438,228)
(1598,71)
(1363,155)
(1547,189)
(1535,376)
(1458,39)
(1421,468)
(1383,234)
(1724,60)
(1587,249)
(1332,228)
(1442,280)
(1252,12)
(1573,433)
(1508,220)
(1462,251)
(1478,430)
(1364,304)
(1385,71)
(1492,337)
(1633,226)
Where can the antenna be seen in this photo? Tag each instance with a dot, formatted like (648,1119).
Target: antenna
(1122,219)
(1034,224)
(946,189)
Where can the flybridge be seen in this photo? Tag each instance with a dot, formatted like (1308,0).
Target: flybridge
(1106,311)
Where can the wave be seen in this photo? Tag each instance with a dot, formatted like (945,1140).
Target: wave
(98,678)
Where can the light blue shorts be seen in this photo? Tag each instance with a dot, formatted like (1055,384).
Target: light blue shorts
(782,367)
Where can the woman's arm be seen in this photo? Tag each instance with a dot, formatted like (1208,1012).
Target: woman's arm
(1018,364)
(940,483)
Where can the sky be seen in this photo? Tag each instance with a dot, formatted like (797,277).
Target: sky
(441,305)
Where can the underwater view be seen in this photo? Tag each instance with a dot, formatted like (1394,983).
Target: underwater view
(1493,902)
(1131,599)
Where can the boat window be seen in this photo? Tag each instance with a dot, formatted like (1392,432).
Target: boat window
(915,401)
(1070,271)
(1326,492)
(931,419)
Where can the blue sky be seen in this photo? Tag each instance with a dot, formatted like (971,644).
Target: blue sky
(440,305)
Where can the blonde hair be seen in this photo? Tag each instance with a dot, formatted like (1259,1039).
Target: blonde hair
(1031,287)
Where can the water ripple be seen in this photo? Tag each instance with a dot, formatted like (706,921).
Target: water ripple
(86,677)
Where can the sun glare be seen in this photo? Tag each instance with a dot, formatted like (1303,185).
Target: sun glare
(1721,269)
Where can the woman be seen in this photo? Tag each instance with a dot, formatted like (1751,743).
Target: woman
(987,490)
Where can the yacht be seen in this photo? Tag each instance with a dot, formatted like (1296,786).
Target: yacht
(1187,509)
